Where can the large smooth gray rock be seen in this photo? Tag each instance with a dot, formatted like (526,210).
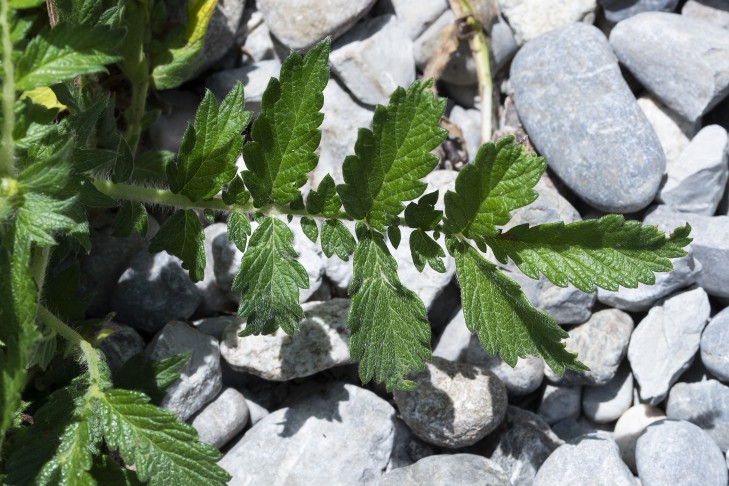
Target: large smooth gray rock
(705,404)
(713,11)
(688,70)
(617,10)
(678,452)
(629,428)
(315,429)
(450,469)
(591,459)
(560,403)
(532,18)
(603,404)
(581,115)
(300,24)
(454,404)
(221,419)
(665,342)
(522,379)
(715,345)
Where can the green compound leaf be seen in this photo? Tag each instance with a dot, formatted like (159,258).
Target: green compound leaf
(182,235)
(206,159)
(500,180)
(390,331)
(162,450)
(41,217)
(270,278)
(106,471)
(150,377)
(239,228)
(131,217)
(151,167)
(64,52)
(391,158)
(423,215)
(495,307)
(236,192)
(607,252)
(336,238)
(325,199)
(310,229)
(394,235)
(286,133)
(425,249)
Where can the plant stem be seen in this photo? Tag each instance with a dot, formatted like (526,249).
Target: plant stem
(136,110)
(7,149)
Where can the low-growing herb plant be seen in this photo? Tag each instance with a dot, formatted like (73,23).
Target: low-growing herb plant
(70,145)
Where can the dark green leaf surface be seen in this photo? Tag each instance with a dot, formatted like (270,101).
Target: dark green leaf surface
(150,377)
(336,238)
(390,331)
(394,235)
(422,214)
(239,228)
(131,217)
(151,166)
(41,217)
(182,235)
(286,133)
(425,249)
(270,278)
(607,252)
(325,199)
(236,192)
(310,229)
(391,158)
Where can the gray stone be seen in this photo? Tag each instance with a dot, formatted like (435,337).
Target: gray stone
(705,404)
(222,419)
(120,343)
(415,17)
(313,428)
(454,404)
(522,379)
(581,115)
(407,449)
(617,10)
(300,24)
(532,18)
(642,298)
(697,179)
(167,131)
(257,408)
(320,343)
(710,244)
(450,469)
(201,379)
(665,342)
(671,452)
(592,459)
(154,290)
(214,298)
(215,326)
(254,77)
(226,260)
(453,342)
(569,429)
(259,44)
(688,71)
(715,345)
(713,11)
(567,305)
(560,402)
(430,40)
(600,343)
(672,130)
(629,428)
(221,31)
(503,44)
(603,404)
(460,70)
(365,61)
(469,121)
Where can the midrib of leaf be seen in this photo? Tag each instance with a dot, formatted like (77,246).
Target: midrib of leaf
(203,159)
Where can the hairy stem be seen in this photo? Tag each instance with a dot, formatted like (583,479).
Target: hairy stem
(7,149)
(136,111)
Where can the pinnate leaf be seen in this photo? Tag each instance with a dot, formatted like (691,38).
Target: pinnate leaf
(425,249)
(325,199)
(182,235)
(423,214)
(239,228)
(391,158)
(607,252)
(131,217)
(310,229)
(336,238)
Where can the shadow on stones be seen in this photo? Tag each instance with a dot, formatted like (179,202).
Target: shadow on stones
(308,349)
(322,403)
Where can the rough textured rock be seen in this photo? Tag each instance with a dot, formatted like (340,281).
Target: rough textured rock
(365,61)
(454,404)
(122,343)
(630,426)
(688,71)
(715,345)
(201,377)
(560,402)
(522,379)
(313,428)
(532,18)
(302,23)
(601,343)
(320,343)
(665,342)
(603,404)
(153,290)
(705,404)
(581,115)
(254,77)
(697,179)
(617,10)
(671,451)
(713,11)
(710,244)
(672,130)
(222,419)
(591,459)
(415,17)
(451,469)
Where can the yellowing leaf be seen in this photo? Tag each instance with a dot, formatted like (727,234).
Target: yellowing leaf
(198,16)
(45,96)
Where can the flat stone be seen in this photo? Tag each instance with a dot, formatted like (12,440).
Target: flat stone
(581,115)
(665,342)
(121,343)
(606,403)
(364,60)
(600,343)
(451,469)
(201,379)
(453,342)
(710,244)
(532,18)
(454,404)
(617,10)
(320,343)
(713,11)
(715,345)
(671,451)
(254,77)
(688,71)
(154,290)
(522,379)
(313,428)
(673,131)
(705,404)
(416,17)
(591,459)
(222,419)
(630,426)
(560,402)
